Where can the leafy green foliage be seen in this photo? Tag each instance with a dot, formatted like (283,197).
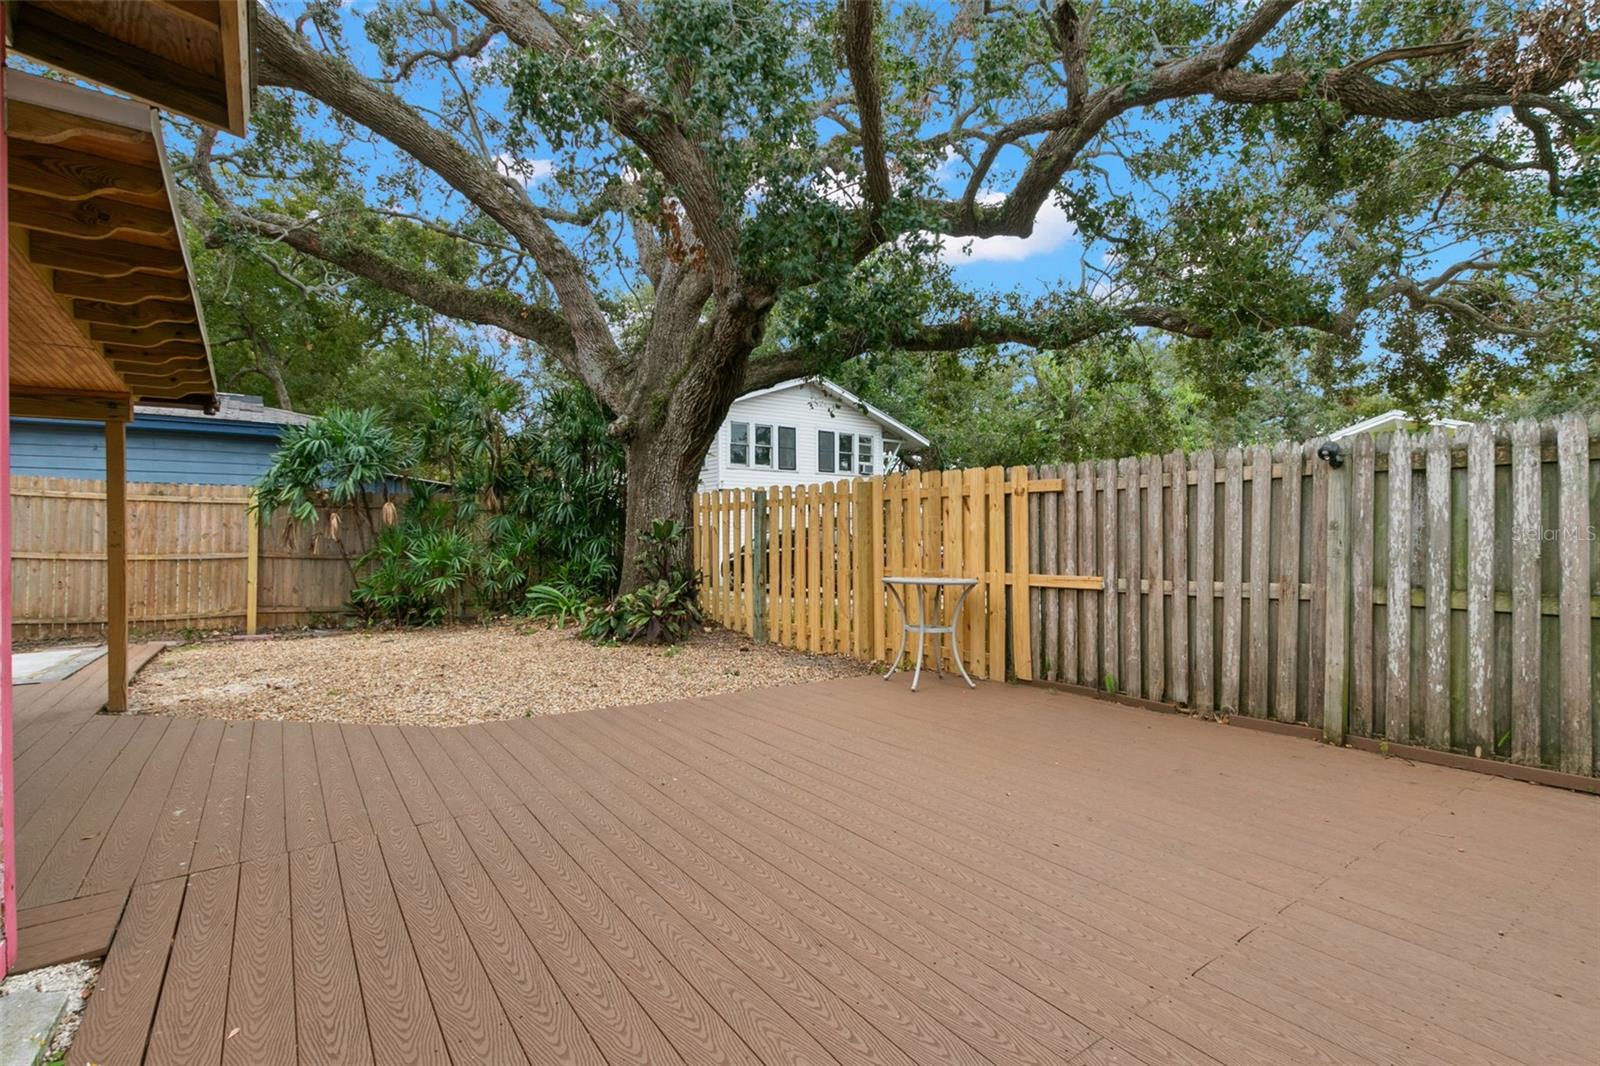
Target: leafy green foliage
(492,495)
(662,610)
(560,604)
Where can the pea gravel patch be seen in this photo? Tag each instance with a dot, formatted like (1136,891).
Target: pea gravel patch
(456,676)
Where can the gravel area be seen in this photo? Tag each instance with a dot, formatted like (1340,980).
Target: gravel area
(455,676)
(76,978)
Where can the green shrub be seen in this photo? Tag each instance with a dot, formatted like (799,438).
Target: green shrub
(494,495)
(662,610)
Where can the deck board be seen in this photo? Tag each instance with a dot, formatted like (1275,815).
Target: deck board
(840,872)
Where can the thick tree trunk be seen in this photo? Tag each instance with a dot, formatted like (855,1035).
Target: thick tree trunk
(663,469)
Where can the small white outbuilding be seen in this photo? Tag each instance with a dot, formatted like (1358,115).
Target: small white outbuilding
(802,431)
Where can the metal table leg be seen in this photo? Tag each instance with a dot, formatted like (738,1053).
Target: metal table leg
(905,623)
(955,628)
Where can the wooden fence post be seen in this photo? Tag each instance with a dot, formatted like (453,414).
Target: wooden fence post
(864,528)
(1336,616)
(116,568)
(252,562)
(1021,619)
(758,567)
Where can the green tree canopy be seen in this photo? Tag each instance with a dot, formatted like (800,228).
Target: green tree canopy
(1403,188)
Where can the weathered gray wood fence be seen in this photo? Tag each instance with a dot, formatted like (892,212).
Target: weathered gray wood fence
(1434,590)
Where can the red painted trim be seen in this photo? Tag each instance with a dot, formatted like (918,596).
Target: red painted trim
(7,792)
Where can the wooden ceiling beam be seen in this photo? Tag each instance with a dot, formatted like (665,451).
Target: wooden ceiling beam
(50,170)
(206,11)
(106,259)
(143,313)
(96,218)
(181,350)
(152,336)
(133,289)
(28,121)
(87,406)
(72,45)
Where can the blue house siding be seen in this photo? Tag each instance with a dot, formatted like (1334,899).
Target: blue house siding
(161,448)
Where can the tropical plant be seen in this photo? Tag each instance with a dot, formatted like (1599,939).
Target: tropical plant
(663,609)
(560,604)
(491,494)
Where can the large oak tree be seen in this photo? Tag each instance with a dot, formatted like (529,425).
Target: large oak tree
(679,200)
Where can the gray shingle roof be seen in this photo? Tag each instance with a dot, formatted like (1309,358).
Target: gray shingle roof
(233,407)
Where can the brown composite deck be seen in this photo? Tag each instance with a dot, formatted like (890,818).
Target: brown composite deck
(841,872)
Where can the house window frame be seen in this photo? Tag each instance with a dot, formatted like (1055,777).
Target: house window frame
(734,442)
(864,454)
(794,448)
(756,446)
(844,460)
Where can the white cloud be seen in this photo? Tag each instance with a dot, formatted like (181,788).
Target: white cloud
(527,171)
(1052,230)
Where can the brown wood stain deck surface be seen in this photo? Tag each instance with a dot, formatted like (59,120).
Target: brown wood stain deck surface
(842,872)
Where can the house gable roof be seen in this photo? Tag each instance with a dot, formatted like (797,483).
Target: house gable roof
(844,395)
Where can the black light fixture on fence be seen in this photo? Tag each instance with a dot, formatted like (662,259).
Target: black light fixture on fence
(1331,453)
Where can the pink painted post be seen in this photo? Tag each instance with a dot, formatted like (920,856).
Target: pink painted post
(8,813)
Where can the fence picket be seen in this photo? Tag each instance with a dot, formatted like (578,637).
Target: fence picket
(1527,538)
(1178,560)
(1436,536)
(1133,573)
(1397,662)
(1436,593)
(1088,563)
(1287,678)
(1480,736)
(1363,489)
(1110,646)
(1205,600)
(1155,555)
(1232,580)
(1066,504)
(1577,725)
(1260,552)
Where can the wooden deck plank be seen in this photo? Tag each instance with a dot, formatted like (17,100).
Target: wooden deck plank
(57,874)
(611,1013)
(305,816)
(473,1023)
(546,1024)
(847,966)
(263,831)
(838,872)
(330,1021)
(222,822)
(379,792)
(116,1022)
(171,845)
(708,951)
(989,947)
(346,810)
(399,1016)
(122,847)
(416,788)
(260,1020)
(452,787)
(188,1029)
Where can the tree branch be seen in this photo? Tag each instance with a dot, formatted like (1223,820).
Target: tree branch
(485,307)
(284,60)
(861,57)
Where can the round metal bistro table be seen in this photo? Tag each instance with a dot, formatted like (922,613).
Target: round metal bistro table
(898,587)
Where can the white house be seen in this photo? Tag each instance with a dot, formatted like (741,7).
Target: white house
(802,431)
(1390,421)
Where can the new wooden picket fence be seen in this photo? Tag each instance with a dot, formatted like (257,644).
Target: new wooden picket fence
(1254,582)
(196,559)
